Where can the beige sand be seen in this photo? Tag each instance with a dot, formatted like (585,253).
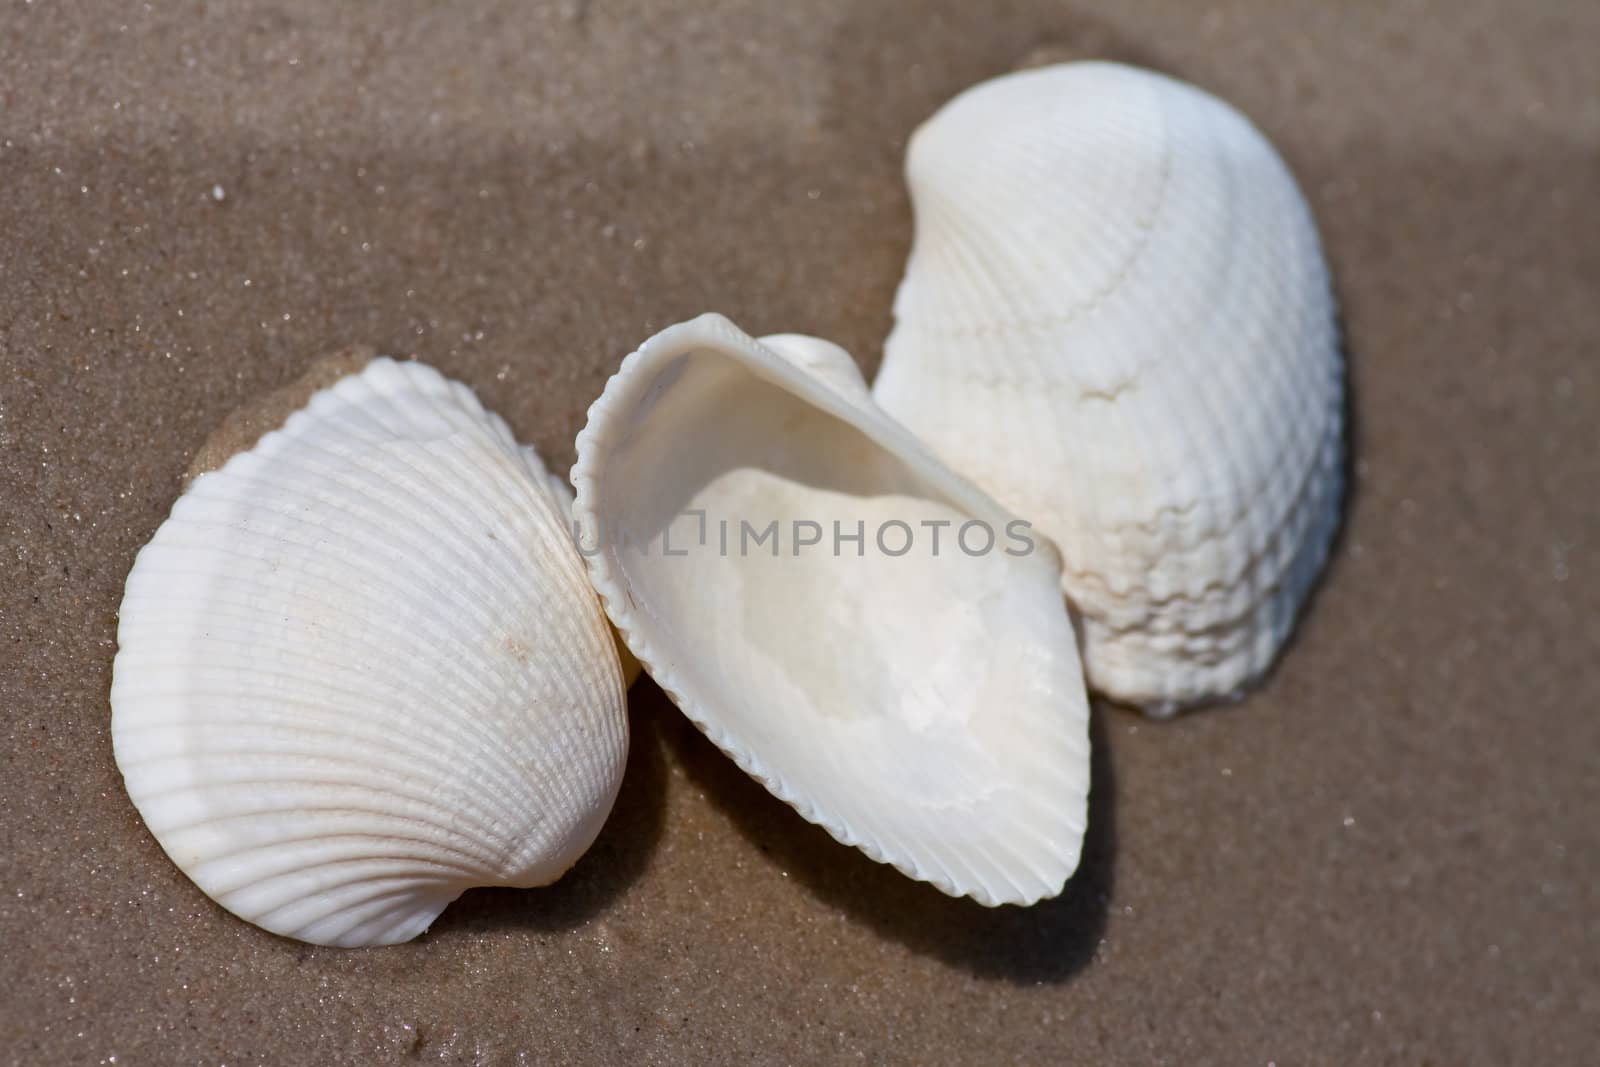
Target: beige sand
(1388,855)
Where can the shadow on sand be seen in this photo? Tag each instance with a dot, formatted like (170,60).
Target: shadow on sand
(1048,942)
(617,859)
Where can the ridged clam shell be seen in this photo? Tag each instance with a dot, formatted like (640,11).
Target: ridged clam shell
(1116,318)
(361,668)
(927,709)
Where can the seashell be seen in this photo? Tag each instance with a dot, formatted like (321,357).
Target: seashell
(361,668)
(926,708)
(1117,319)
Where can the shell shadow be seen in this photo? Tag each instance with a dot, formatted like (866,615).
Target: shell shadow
(1049,942)
(1349,493)
(1349,485)
(619,856)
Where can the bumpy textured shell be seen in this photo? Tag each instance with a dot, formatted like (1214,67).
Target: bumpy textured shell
(1116,317)
(361,669)
(927,709)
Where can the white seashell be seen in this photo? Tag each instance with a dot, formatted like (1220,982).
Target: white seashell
(1116,317)
(926,709)
(361,669)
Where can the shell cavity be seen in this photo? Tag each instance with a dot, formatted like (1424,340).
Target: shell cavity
(760,535)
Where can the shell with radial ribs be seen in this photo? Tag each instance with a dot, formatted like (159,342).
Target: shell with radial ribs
(1117,319)
(361,668)
(924,706)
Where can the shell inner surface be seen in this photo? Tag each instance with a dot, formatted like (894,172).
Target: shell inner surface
(765,541)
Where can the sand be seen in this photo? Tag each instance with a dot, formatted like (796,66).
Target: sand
(1387,855)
